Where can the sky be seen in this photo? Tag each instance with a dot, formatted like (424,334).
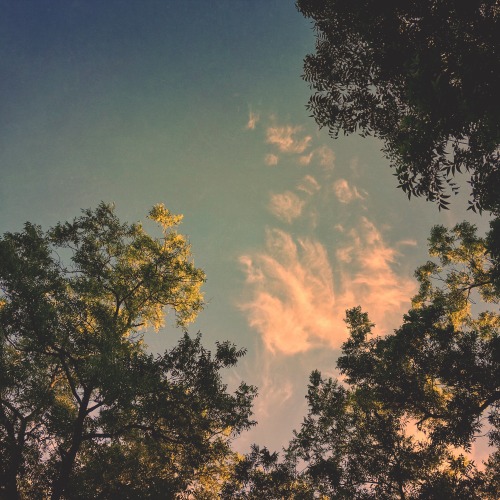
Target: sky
(200,105)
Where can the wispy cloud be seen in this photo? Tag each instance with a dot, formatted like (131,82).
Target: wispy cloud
(253,118)
(309,185)
(371,279)
(286,139)
(271,160)
(346,193)
(272,395)
(408,243)
(286,206)
(294,303)
(326,157)
(306,159)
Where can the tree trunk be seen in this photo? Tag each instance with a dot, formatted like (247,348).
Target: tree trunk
(9,487)
(68,459)
(15,447)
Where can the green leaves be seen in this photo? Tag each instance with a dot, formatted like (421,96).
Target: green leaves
(469,268)
(80,398)
(408,403)
(119,268)
(423,77)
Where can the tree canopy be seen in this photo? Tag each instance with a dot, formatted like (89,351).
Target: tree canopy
(85,410)
(423,76)
(410,403)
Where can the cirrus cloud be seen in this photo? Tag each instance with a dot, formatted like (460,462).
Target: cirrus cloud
(291,305)
(253,118)
(271,160)
(346,193)
(326,157)
(309,185)
(286,206)
(286,140)
(294,302)
(306,159)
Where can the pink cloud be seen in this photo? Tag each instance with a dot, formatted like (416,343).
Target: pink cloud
(295,304)
(285,138)
(346,193)
(326,157)
(292,306)
(253,118)
(306,159)
(371,280)
(272,395)
(309,185)
(286,206)
(408,243)
(271,160)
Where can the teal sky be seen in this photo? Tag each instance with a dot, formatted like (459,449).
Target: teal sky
(200,105)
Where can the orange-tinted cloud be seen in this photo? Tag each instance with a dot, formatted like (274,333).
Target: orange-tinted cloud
(291,305)
(408,243)
(346,193)
(286,140)
(293,301)
(271,160)
(272,395)
(286,206)
(309,185)
(326,157)
(371,280)
(253,118)
(306,159)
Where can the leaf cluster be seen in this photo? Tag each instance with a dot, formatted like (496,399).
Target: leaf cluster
(410,403)
(420,75)
(85,411)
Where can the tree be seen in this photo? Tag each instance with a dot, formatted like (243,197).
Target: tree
(439,371)
(442,365)
(81,400)
(260,474)
(423,77)
(174,436)
(351,447)
(438,374)
(355,448)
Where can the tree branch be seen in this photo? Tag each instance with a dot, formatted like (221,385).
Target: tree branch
(123,430)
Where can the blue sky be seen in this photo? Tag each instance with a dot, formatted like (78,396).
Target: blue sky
(200,105)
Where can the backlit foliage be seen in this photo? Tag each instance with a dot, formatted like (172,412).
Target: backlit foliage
(410,403)
(85,411)
(423,76)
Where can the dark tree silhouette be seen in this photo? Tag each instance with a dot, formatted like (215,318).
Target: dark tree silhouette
(85,411)
(421,75)
(438,373)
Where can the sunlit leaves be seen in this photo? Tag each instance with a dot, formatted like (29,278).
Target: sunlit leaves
(78,392)
(441,367)
(119,268)
(463,275)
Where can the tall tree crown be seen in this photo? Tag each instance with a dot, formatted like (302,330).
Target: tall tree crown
(423,76)
(83,406)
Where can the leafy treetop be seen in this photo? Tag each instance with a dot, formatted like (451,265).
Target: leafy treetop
(438,373)
(423,76)
(83,406)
